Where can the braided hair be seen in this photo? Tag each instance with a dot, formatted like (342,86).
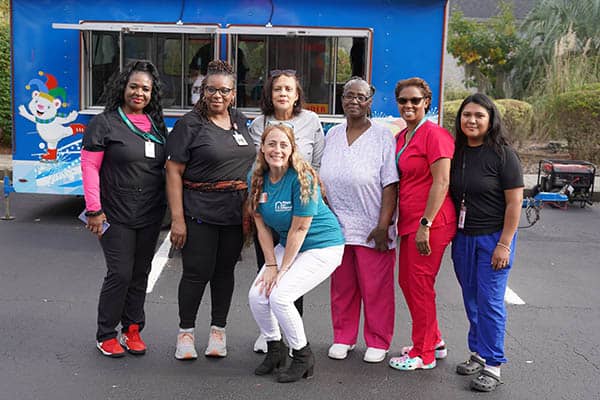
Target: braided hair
(215,67)
(116,90)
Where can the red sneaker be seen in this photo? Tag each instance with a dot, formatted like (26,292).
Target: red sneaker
(111,348)
(132,341)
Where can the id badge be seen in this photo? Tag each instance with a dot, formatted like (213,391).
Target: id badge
(240,140)
(462,215)
(149,150)
(263,197)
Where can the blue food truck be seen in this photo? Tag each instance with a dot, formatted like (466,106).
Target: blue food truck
(64,51)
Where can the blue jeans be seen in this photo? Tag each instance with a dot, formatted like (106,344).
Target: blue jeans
(483,291)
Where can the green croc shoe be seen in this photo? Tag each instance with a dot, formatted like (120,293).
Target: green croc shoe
(406,363)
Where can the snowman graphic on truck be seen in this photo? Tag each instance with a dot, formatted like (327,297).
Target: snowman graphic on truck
(43,111)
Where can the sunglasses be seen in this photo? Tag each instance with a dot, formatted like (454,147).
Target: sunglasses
(277,123)
(415,101)
(360,98)
(212,90)
(274,73)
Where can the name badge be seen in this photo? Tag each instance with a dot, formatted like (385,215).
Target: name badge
(263,197)
(149,150)
(240,140)
(462,216)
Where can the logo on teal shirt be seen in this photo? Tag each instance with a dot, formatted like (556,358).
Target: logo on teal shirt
(283,206)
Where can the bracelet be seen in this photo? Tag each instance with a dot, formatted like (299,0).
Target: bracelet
(270,265)
(94,213)
(503,245)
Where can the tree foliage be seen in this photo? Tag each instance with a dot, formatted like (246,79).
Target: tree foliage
(487,50)
(558,32)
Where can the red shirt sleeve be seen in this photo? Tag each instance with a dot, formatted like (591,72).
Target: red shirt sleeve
(440,143)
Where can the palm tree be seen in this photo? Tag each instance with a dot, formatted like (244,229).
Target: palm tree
(554,29)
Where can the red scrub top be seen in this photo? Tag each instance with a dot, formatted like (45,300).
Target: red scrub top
(429,143)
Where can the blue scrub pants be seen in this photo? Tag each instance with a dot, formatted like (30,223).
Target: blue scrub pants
(483,291)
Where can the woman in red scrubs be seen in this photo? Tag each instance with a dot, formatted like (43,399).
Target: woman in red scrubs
(426,220)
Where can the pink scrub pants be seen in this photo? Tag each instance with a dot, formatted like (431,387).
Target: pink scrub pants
(365,275)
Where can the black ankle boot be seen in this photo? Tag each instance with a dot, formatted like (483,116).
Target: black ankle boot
(276,354)
(303,363)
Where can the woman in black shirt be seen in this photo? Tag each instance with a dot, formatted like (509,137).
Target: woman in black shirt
(122,163)
(209,155)
(486,184)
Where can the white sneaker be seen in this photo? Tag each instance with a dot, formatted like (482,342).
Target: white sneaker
(373,355)
(339,351)
(441,351)
(217,343)
(185,346)
(260,346)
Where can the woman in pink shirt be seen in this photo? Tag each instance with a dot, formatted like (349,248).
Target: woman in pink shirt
(122,164)
(426,220)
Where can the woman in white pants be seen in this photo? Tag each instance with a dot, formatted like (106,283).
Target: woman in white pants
(285,196)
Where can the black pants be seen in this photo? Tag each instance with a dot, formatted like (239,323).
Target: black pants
(209,255)
(260,261)
(128,253)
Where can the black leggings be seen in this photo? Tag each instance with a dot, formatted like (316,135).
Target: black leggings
(128,253)
(260,261)
(209,255)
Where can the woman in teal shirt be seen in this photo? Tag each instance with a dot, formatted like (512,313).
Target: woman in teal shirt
(285,196)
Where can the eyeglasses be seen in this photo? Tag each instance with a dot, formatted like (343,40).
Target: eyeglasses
(360,98)
(415,101)
(212,90)
(277,123)
(274,73)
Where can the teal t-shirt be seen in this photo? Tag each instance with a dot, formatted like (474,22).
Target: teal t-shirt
(280,201)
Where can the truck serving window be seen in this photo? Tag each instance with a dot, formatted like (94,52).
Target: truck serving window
(180,59)
(180,52)
(324,59)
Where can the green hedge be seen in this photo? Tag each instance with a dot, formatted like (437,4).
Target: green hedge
(517,116)
(518,119)
(578,118)
(5,90)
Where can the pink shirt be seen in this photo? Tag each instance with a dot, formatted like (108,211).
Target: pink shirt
(430,143)
(141,121)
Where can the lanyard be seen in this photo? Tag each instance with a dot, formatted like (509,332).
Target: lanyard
(407,140)
(155,136)
(462,177)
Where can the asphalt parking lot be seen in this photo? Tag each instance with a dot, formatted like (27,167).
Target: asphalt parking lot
(51,270)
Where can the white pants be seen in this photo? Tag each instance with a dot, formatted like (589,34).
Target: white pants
(310,268)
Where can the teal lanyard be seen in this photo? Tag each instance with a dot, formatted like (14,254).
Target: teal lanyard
(407,140)
(155,136)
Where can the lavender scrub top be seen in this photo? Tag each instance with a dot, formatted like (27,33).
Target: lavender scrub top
(354,177)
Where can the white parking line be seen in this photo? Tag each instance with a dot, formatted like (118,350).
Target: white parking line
(512,298)
(161,257)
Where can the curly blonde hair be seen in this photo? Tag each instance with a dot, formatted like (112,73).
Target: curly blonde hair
(308,177)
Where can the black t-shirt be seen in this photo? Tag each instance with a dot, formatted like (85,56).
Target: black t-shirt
(132,186)
(211,154)
(483,180)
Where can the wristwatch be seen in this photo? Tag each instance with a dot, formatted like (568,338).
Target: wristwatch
(426,222)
